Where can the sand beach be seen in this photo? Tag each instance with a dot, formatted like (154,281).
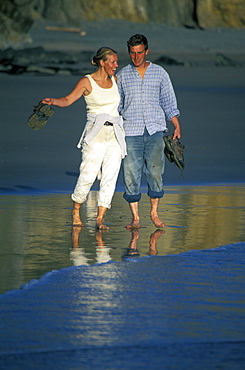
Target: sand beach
(203,209)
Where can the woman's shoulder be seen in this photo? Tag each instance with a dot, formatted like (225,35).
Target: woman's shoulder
(85,82)
(85,79)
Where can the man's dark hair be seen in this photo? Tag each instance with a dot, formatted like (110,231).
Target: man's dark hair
(137,39)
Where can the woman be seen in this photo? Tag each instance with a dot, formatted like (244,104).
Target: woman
(102,142)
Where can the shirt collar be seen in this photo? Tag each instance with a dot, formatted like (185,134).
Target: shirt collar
(148,61)
(134,68)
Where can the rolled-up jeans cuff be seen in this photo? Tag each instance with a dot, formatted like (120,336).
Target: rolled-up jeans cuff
(155,194)
(132,198)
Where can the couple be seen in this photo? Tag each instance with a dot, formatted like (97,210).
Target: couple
(125,122)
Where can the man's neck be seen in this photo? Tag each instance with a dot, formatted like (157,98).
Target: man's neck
(141,70)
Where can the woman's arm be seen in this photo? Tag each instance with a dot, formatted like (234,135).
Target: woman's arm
(83,87)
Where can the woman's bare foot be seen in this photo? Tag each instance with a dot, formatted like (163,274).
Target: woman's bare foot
(76,220)
(156,220)
(100,225)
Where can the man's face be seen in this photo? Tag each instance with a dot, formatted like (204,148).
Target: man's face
(138,55)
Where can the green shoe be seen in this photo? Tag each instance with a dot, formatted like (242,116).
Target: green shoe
(174,151)
(40,117)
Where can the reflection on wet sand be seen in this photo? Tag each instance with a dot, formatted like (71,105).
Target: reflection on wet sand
(35,230)
(132,250)
(78,254)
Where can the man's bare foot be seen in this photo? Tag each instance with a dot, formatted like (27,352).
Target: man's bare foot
(76,220)
(156,220)
(133,225)
(100,225)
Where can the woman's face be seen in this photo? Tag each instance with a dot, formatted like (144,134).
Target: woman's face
(111,64)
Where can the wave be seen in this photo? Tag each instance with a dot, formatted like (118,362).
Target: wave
(211,257)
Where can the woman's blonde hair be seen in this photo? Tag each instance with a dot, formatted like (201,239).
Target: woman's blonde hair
(102,54)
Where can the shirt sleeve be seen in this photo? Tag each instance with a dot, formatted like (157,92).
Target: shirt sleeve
(121,93)
(168,99)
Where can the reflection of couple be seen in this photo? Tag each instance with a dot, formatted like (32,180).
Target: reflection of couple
(102,251)
(132,249)
(132,113)
(78,254)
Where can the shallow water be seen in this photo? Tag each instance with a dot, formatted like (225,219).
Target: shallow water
(170,312)
(36,234)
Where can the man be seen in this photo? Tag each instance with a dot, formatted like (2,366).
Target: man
(147,100)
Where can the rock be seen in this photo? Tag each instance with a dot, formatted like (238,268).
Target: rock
(38,60)
(5,69)
(173,12)
(223,61)
(15,16)
(165,60)
(64,72)
(40,70)
(221,13)
(39,55)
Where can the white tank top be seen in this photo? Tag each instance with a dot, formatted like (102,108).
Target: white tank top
(102,100)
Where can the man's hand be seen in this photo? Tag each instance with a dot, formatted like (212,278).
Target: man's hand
(177,131)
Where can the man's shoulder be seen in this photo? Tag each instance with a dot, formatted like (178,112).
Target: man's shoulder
(157,68)
(125,70)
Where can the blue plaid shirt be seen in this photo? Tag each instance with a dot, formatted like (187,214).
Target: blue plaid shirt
(147,102)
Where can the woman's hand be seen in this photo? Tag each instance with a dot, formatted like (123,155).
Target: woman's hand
(48,101)
(60,102)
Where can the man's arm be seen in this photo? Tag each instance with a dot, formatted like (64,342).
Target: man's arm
(169,104)
(120,89)
(167,97)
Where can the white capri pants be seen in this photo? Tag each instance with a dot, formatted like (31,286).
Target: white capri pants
(102,152)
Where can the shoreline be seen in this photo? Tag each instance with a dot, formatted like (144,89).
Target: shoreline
(25,191)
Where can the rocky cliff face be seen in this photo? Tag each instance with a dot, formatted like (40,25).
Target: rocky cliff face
(17,16)
(221,13)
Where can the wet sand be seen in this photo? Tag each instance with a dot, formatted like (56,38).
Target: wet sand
(37,236)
